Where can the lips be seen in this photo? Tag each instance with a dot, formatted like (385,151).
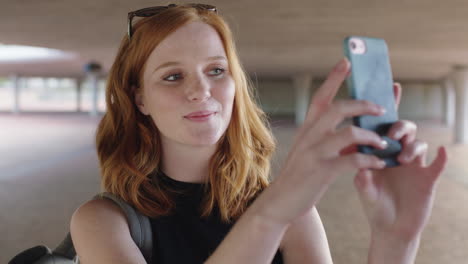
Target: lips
(199,114)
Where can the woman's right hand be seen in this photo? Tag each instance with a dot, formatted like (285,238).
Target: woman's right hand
(316,156)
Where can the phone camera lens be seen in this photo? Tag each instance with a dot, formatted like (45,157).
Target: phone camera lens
(357,46)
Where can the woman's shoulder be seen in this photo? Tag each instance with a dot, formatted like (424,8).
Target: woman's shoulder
(100,234)
(96,211)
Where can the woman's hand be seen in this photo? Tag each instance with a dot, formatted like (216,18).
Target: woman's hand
(314,160)
(398,201)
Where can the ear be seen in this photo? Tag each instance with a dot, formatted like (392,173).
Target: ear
(397,94)
(139,100)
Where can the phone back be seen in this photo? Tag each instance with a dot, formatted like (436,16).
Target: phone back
(371,79)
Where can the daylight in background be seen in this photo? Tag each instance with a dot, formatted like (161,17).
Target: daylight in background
(45,94)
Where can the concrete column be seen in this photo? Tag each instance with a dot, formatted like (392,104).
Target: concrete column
(93,70)
(434,102)
(45,85)
(302,85)
(78,86)
(14,79)
(460,81)
(25,83)
(448,111)
(93,78)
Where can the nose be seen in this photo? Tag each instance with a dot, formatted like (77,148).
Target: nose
(199,89)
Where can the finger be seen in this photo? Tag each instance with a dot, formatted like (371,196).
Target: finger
(412,151)
(422,159)
(397,90)
(331,146)
(344,109)
(325,94)
(439,163)
(346,163)
(401,129)
(365,186)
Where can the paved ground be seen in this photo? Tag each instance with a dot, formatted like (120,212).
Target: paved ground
(48,168)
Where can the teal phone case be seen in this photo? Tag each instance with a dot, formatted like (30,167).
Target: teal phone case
(371,79)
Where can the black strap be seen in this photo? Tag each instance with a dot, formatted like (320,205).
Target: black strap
(66,248)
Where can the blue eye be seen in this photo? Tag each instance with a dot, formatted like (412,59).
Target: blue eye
(217,71)
(173,77)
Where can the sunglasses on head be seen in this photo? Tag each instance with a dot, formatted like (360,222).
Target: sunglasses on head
(154,10)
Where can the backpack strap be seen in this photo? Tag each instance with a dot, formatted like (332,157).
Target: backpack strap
(139,225)
(66,248)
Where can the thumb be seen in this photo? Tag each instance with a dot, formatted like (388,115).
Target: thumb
(365,185)
(439,163)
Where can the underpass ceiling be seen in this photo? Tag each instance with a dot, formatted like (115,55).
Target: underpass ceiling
(276,39)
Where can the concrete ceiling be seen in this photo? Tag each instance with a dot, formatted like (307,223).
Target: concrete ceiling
(276,39)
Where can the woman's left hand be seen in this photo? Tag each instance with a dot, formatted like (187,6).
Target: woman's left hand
(398,201)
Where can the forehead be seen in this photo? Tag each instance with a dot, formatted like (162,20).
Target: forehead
(191,41)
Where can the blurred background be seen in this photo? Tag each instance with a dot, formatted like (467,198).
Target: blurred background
(54,60)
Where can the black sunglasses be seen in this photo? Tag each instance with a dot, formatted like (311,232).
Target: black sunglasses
(154,10)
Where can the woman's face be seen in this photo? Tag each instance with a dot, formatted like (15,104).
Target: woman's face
(185,74)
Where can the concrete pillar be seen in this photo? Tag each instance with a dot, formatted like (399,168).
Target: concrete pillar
(93,70)
(448,111)
(93,78)
(14,79)
(302,85)
(25,84)
(79,96)
(45,85)
(434,102)
(460,81)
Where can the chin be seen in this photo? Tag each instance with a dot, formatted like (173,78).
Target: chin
(203,138)
(204,142)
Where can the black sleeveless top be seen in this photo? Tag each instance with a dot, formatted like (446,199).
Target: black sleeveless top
(185,237)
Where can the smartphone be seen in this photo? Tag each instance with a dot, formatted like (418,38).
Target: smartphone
(371,80)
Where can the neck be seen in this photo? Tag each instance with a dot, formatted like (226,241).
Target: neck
(187,163)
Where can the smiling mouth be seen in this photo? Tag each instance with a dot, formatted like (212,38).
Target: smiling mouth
(201,118)
(200,113)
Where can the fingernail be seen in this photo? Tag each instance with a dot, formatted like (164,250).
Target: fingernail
(382,110)
(397,135)
(403,158)
(383,144)
(343,65)
(382,164)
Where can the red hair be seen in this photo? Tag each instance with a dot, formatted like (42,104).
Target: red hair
(128,142)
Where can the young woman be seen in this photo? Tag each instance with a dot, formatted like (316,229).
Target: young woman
(184,142)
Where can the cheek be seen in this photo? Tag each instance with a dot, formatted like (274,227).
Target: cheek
(163,106)
(227,93)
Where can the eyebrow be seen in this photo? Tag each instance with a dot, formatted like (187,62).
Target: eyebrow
(175,63)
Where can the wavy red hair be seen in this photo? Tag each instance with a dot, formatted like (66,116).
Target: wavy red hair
(128,142)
